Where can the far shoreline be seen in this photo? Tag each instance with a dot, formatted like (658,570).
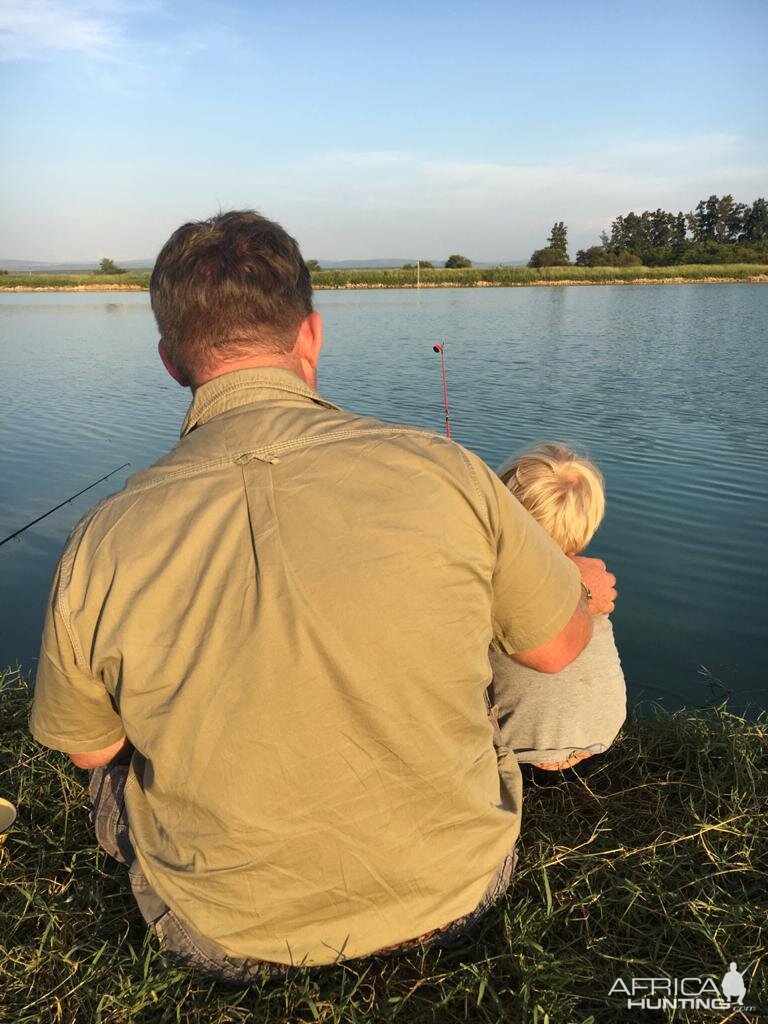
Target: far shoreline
(381,286)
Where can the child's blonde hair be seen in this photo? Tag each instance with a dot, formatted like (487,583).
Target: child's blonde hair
(564,492)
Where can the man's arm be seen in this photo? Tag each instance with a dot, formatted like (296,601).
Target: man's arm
(72,710)
(118,752)
(598,597)
(562,649)
(541,606)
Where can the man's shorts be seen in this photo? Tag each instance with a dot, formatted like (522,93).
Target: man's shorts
(182,945)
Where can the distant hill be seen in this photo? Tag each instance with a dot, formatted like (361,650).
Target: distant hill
(386,264)
(380,264)
(39,267)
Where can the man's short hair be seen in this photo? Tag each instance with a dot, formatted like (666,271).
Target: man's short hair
(562,490)
(227,285)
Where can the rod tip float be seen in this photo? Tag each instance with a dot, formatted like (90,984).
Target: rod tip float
(440,347)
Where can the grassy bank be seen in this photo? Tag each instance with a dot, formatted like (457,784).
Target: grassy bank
(520,276)
(656,864)
(437,278)
(74,282)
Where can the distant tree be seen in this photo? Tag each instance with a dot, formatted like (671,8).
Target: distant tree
(712,217)
(426,265)
(312,265)
(710,251)
(756,222)
(703,220)
(547,257)
(108,266)
(594,256)
(735,221)
(718,230)
(627,259)
(725,210)
(680,231)
(618,234)
(660,229)
(457,262)
(408,266)
(637,228)
(558,238)
(692,224)
(555,254)
(602,256)
(723,252)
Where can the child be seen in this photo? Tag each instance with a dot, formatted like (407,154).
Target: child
(553,721)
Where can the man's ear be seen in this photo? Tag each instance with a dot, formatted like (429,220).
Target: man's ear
(179,377)
(309,340)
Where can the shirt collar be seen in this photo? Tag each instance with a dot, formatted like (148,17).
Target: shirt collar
(244,387)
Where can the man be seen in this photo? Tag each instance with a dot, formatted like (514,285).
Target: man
(283,626)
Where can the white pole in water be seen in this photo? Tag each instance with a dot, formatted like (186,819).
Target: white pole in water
(418,279)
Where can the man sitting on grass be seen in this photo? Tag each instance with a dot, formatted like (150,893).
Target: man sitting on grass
(271,647)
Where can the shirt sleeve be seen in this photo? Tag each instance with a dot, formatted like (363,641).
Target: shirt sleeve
(536,588)
(71,711)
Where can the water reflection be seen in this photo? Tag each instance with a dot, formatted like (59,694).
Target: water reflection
(662,385)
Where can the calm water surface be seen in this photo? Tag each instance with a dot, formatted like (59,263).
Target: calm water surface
(664,386)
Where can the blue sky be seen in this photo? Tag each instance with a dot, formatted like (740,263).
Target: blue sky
(400,129)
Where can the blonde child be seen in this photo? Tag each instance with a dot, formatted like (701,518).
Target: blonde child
(553,721)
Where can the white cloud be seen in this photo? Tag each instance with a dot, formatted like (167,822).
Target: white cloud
(33,28)
(686,146)
(365,203)
(405,204)
(114,52)
(364,159)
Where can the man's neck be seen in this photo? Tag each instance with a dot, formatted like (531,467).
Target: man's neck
(269,361)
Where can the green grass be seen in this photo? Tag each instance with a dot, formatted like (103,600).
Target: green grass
(32,281)
(515,276)
(469,278)
(655,864)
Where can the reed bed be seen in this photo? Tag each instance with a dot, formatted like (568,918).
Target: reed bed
(472,277)
(654,863)
(75,282)
(518,276)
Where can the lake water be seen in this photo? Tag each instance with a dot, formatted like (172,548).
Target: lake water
(664,386)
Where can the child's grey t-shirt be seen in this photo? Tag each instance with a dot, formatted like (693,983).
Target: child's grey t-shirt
(547,717)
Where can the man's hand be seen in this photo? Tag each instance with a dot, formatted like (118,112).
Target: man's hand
(600,583)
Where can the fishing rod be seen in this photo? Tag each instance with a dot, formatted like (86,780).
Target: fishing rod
(441,349)
(62,503)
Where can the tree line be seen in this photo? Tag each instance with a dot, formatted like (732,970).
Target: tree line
(454,262)
(718,230)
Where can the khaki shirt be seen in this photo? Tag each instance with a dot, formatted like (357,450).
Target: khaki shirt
(289,617)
